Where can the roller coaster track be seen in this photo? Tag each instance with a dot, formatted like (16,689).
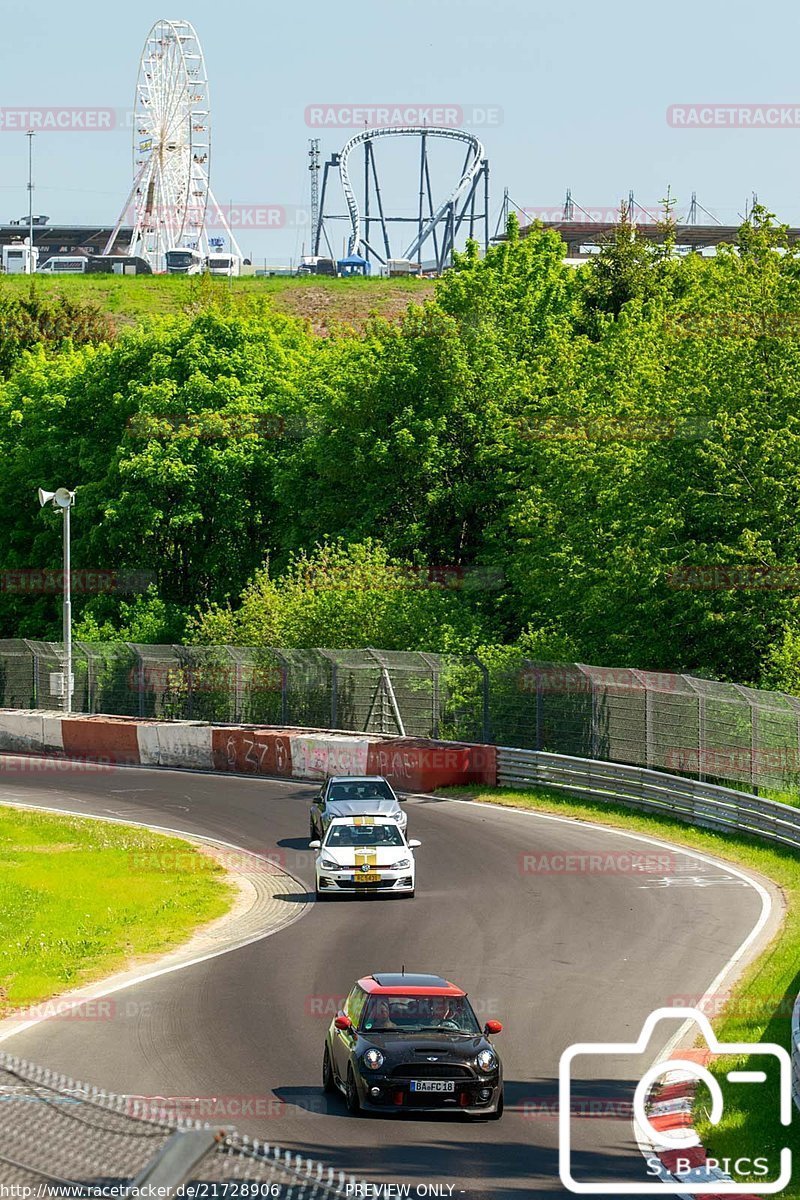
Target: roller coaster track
(472,167)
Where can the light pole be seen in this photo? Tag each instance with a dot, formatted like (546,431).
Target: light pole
(30,136)
(64,499)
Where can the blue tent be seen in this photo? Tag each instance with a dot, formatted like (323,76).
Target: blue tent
(354,264)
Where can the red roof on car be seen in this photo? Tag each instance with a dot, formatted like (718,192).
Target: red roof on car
(409,985)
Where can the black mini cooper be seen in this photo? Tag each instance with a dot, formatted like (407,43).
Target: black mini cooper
(413,1043)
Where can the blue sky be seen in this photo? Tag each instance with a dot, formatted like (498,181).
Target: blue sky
(583,89)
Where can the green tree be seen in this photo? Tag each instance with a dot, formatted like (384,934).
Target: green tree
(170,435)
(341,596)
(50,322)
(627,268)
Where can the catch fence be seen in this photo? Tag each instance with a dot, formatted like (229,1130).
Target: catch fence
(677,723)
(60,1138)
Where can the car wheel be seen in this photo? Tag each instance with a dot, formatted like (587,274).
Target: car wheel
(351,1094)
(328,1082)
(495,1116)
(320,896)
(410,895)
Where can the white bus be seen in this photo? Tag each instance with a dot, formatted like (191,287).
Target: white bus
(181,260)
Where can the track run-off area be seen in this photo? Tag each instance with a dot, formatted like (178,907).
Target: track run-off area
(546,922)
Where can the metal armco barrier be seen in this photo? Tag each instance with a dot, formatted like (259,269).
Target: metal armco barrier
(689,800)
(701,804)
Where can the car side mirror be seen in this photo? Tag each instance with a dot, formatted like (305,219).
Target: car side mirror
(414,843)
(315,845)
(493,1027)
(343,1022)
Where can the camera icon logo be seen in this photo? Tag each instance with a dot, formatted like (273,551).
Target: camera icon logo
(683,1139)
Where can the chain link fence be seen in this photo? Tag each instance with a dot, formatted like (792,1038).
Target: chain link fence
(60,1138)
(375,691)
(677,723)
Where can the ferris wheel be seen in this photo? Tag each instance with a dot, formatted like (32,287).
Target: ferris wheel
(170,202)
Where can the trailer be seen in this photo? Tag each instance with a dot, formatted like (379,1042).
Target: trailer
(220,263)
(19,259)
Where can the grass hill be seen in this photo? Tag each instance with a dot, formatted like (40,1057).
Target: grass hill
(326,303)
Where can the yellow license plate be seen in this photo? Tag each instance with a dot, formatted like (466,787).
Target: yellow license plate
(372,877)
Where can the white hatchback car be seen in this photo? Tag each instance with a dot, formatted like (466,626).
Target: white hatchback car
(365,854)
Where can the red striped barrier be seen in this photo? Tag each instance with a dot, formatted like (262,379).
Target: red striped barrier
(410,764)
(420,765)
(101,739)
(681,1164)
(252,751)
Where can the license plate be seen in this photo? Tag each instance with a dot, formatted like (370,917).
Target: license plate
(371,877)
(432,1085)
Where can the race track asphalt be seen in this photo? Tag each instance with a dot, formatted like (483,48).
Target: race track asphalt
(559,955)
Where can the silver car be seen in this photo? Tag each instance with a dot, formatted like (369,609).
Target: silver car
(354,796)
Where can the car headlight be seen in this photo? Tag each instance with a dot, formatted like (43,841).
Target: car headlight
(373,1059)
(486,1061)
(402,865)
(328,864)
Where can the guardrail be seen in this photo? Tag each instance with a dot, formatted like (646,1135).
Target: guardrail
(703,804)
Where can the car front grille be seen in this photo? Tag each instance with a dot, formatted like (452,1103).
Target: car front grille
(427,1070)
(445,1100)
(366,887)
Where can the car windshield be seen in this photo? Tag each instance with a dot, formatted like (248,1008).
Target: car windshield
(418,1014)
(373,790)
(340,836)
